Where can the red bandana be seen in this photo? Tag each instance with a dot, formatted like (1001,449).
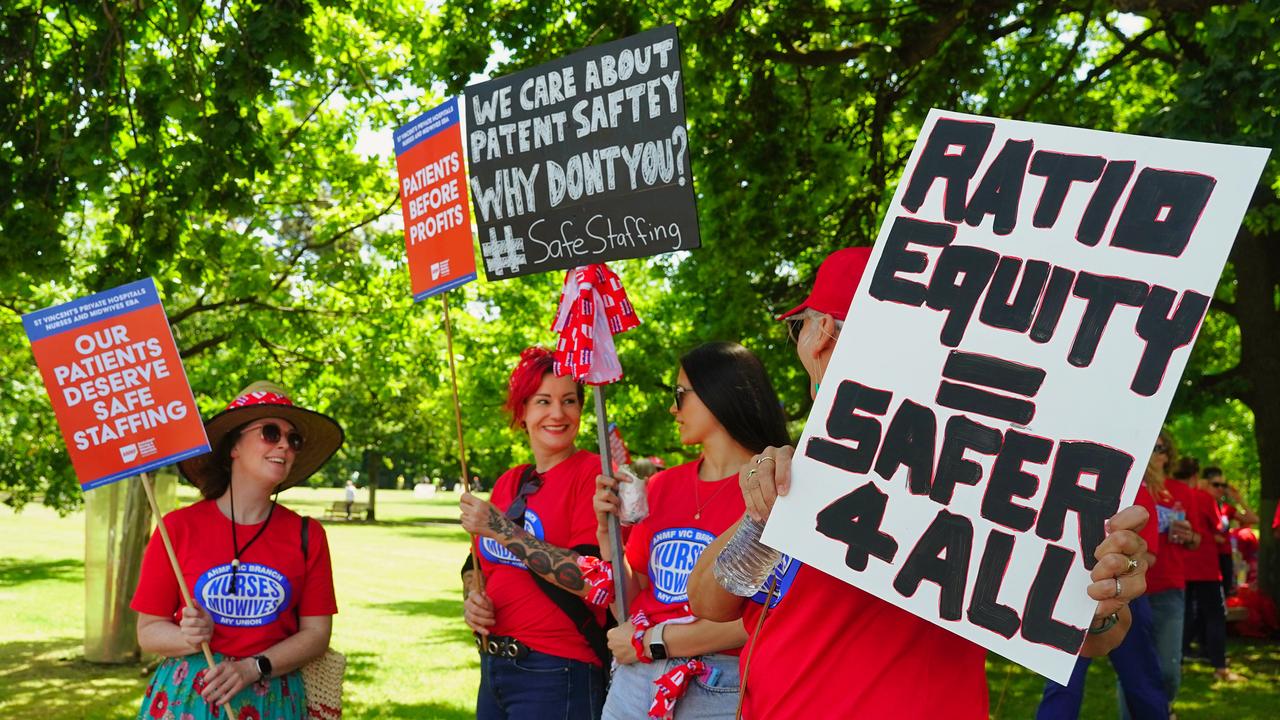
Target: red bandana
(672,686)
(585,350)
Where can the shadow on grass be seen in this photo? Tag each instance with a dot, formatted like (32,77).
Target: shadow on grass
(51,679)
(414,711)
(455,631)
(449,609)
(19,572)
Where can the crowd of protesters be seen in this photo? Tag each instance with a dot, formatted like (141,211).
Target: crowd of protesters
(538,604)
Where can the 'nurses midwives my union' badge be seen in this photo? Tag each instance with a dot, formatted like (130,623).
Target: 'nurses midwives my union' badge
(672,554)
(258,596)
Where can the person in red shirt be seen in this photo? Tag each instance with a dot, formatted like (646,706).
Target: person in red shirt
(725,403)
(1205,625)
(542,648)
(801,659)
(1166,580)
(263,590)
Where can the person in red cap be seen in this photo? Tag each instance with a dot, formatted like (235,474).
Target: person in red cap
(827,647)
(259,573)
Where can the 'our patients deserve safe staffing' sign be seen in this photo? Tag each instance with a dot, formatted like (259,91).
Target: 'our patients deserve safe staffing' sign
(117,384)
(1008,359)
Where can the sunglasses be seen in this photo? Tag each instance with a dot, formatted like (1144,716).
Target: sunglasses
(271,435)
(1220,486)
(532,484)
(1161,447)
(678,391)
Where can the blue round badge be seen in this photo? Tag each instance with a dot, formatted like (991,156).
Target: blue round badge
(496,552)
(672,554)
(784,573)
(260,593)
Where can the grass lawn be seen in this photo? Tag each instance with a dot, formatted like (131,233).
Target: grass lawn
(400,626)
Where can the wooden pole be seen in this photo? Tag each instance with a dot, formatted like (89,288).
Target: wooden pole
(477,577)
(620,605)
(177,571)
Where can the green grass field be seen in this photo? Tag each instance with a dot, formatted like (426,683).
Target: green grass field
(409,654)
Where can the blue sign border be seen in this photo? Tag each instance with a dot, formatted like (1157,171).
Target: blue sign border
(68,316)
(426,125)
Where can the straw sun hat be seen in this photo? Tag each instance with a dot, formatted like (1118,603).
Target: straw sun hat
(322,435)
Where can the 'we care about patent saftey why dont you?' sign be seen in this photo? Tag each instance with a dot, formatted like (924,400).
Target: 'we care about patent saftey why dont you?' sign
(584,159)
(1009,357)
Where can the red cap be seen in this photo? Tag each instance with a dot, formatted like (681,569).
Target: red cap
(837,280)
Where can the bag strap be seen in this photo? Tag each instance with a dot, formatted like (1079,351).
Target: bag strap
(306,536)
(570,604)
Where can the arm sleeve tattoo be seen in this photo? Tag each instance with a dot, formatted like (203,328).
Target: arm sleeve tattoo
(554,564)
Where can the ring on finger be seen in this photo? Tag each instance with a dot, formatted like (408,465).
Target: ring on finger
(1118,588)
(762,458)
(1131,567)
(751,473)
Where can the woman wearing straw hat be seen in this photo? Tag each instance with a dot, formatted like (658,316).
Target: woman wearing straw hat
(264,599)
(541,647)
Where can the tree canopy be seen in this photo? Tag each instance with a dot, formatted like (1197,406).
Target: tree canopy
(221,149)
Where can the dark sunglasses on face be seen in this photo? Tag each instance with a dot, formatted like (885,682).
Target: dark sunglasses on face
(678,391)
(1220,485)
(1161,447)
(271,435)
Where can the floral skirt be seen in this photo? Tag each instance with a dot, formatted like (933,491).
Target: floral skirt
(174,694)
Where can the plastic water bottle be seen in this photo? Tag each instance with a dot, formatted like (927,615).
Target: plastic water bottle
(745,563)
(632,496)
(1179,513)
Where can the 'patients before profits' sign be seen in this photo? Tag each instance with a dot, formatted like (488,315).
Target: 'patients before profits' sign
(583,160)
(1008,359)
(433,198)
(118,388)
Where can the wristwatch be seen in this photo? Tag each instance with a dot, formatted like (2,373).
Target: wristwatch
(657,649)
(263,665)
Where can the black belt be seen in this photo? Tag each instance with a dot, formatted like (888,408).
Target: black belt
(502,646)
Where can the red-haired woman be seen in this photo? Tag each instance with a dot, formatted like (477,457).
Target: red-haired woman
(532,626)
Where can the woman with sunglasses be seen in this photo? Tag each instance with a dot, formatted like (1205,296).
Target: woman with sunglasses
(263,591)
(533,629)
(724,403)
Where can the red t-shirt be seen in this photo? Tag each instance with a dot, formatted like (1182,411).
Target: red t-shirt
(828,649)
(666,545)
(1169,572)
(1247,543)
(1201,564)
(560,514)
(1151,531)
(271,581)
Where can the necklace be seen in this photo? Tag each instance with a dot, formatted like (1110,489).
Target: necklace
(697,513)
(236,550)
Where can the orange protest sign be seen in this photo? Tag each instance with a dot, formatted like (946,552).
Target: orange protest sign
(117,384)
(433,198)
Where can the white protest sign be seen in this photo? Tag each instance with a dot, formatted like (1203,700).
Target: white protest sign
(1009,356)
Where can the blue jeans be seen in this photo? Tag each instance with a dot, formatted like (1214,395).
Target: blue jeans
(1167,610)
(632,690)
(1137,671)
(538,687)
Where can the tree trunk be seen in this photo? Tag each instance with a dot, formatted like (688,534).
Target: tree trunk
(372,465)
(1257,264)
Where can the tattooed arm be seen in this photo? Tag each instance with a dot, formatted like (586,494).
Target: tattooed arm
(554,564)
